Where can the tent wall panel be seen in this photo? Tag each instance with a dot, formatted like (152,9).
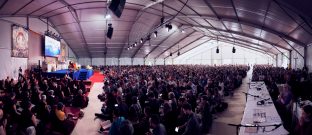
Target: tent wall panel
(206,55)
(296,59)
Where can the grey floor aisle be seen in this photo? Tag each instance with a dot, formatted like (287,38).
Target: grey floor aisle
(235,111)
(88,125)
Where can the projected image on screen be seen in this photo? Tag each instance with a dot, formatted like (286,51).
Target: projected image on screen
(52,47)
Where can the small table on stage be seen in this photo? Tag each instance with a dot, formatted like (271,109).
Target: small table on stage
(260,115)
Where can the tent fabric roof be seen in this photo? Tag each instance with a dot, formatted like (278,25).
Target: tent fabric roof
(270,26)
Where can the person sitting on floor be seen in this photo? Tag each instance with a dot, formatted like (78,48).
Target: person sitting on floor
(117,121)
(81,100)
(2,123)
(192,126)
(135,110)
(158,128)
(305,123)
(28,120)
(65,123)
(126,128)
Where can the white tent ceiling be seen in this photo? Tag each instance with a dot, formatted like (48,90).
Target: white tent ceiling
(265,25)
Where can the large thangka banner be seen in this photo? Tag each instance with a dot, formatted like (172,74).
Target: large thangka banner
(20,42)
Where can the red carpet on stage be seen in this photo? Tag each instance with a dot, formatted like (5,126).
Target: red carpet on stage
(97,77)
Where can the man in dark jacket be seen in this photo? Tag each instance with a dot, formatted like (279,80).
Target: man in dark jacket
(158,128)
(192,125)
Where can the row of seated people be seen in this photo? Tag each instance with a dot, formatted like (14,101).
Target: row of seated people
(286,86)
(30,104)
(168,99)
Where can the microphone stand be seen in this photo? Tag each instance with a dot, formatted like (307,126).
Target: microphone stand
(246,94)
(254,125)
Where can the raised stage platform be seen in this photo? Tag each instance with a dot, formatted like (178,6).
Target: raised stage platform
(81,74)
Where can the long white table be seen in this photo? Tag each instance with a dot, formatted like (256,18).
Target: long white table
(263,114)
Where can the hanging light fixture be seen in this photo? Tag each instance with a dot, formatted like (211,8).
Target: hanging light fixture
(108,16)
(169,27)
(141,40)
(217,50)
(148,37)
(178,50)
(155,34)
(233,49)
(135,44)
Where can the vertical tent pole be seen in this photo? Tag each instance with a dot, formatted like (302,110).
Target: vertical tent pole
(305,56)
(290,59)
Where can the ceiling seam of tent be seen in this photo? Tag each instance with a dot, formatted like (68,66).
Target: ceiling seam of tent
(192,48)
(265,16)
(241,40)
(23,7)
(165,22)
(246,35)
(190,18)
(284,10)
(75,16)
(170,35)
(174,44)
(258,27)
(217,16)
(2,5)
(128,43)
(42,7)
(242,45)
(206,20)
(236,15)
(200,38)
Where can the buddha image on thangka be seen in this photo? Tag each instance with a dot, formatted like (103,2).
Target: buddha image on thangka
(20,42)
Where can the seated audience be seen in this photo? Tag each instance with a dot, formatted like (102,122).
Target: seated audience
(205,114)
(192,125)
(80,100)
(156,126)
(63,120)
(161,91)
(126,128)
(305,123)
(28,120)
(135,110)
(117,122)
(3,123)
